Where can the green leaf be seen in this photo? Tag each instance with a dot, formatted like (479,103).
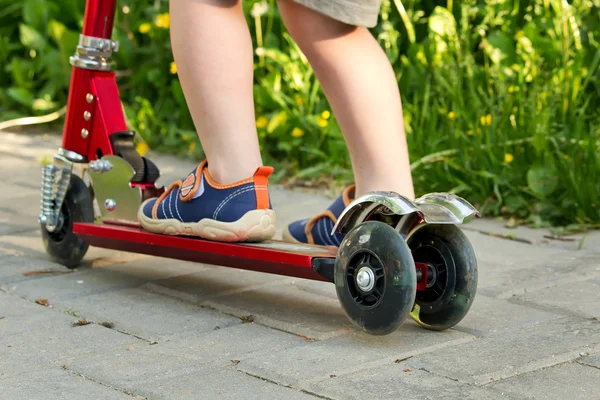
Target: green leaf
(500,48)
(31,38)
(276,121)
(21,96)
(442,22)
(516,204)
(177,92)
(542,180)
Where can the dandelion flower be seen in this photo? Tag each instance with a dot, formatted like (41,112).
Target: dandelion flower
(163,21)
(173,68)
(451,115)
(323,122)
(297,132)
(262,122)
(144,28)
(325,114)
(142,148)
(508,158)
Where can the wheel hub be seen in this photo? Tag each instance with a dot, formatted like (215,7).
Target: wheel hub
(365,279)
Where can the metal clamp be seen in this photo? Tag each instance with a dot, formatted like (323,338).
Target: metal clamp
(100,165)
(94,53)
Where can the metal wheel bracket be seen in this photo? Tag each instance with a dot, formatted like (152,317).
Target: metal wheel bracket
(55,182)
(434,208)
(117,199)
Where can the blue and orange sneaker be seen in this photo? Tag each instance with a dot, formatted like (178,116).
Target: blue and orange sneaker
(198,206)
(317,230)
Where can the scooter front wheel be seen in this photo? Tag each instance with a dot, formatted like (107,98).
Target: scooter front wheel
(375,278)
(62,244)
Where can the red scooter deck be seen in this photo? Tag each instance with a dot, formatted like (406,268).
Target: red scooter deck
(275,257)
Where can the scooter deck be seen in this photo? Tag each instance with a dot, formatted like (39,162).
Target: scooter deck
(275,257)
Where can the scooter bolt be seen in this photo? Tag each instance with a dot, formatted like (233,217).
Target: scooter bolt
(110,204)
(89,97)
(84,133)
(87,115)
(365,279)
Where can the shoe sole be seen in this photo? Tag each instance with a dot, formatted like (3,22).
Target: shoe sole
(287,236)
(254,226)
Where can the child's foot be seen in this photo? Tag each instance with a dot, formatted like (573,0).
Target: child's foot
(198,206)
(317,230)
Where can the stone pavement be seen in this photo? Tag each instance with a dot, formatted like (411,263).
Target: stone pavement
(163,329)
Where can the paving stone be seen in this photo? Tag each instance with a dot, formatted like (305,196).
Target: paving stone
(60,289)
(23,171)
(13,266)
(522,350)
(288,308)
(16,306)
(57,339)
(489,315)
(581,298)
(516,268)
(209,282)
(348,354)
(54,383)
(592,360)
(398,382)
(134,369)
(566,381)
(149,315)
(588,241)
(12,222)
(220,384)
(150,268)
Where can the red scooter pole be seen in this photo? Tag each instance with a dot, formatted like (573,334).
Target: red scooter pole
(94,108)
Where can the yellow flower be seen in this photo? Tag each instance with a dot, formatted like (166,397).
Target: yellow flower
(451,115)
(173,68)
(163,21)
(508,158)
(470,132)
(297,132)
(322,123)
(144,28)
(486,120)
(325,114)
(142,148)
(298,100)
(261,122)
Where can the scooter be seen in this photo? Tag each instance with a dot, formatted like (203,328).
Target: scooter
(398,257)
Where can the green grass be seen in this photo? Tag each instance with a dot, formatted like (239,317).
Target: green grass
(501,98)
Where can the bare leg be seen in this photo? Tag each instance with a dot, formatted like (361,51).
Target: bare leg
(214,57)
(361,87)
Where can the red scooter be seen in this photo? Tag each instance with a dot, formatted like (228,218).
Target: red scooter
(398,256)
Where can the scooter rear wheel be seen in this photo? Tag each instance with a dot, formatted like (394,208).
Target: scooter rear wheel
(452,279)
(375,278)
(62,244)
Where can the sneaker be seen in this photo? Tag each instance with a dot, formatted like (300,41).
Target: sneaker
(198,206)
(317,230)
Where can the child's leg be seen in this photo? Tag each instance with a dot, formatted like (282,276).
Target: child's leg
(228,199)
(361,87)
(213,52)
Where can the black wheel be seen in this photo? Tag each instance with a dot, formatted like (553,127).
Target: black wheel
(452,276)
(62,244)
(375,278)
